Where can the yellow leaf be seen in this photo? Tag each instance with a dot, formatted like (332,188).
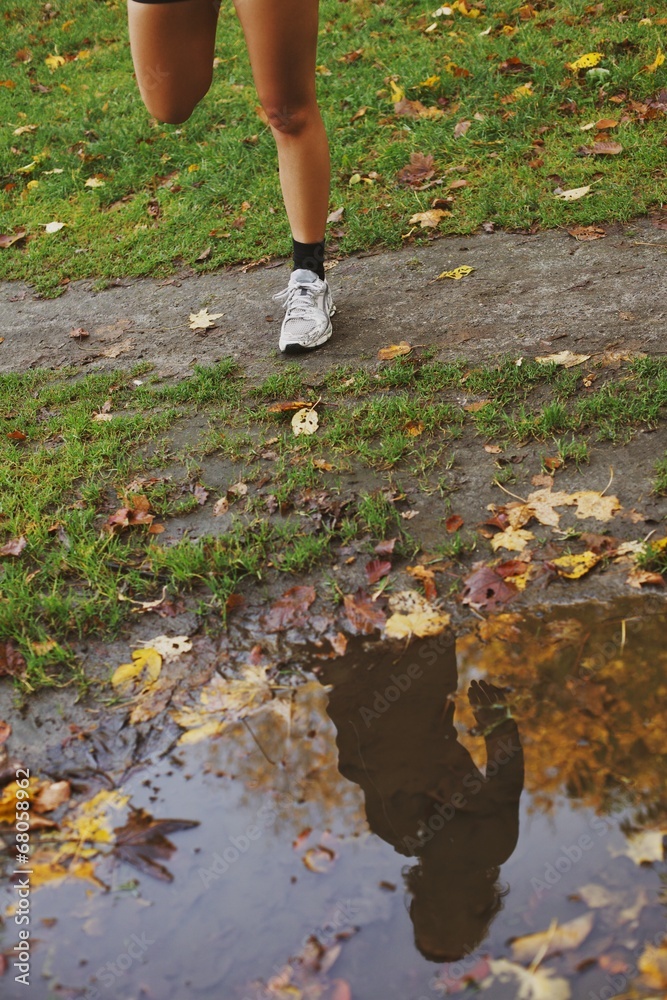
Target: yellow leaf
(657,62)
(83,54)
(31,185)
(211,728)
(193,167)
(94,182)
(414,615)
(430,81)
(513,539)
(91,822)
(653,967)
(144,659)
(203,320)
(525,90)
(567,936)
(305,421)
(592,504)
(457,273)
(394,351)
(586,61)
(574,567)
(53,62)
(397,93)
(431,218)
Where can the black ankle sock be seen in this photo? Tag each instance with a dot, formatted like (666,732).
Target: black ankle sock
(310,256)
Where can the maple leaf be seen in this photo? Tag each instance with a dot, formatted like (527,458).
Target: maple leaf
(142,840)
(363,615)
(485,589)
(513,539)
(203,320)
(289,610)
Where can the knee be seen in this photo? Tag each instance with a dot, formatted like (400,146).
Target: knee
(172,108)
(287,119)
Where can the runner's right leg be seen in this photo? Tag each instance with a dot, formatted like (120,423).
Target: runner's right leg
(172,50)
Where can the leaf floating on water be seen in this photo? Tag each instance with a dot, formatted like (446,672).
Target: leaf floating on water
(526,984)
(653,966)
(564,937)
(319,859)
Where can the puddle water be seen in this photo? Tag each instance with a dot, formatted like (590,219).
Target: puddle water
(398,833)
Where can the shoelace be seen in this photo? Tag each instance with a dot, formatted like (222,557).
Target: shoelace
(293,298)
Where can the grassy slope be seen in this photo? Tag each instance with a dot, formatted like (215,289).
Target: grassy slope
(91,122)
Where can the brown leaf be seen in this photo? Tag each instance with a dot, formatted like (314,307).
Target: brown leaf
(289,610)
(79,333)
(200,494)
(461,128)
(363,615)
(586,233)
(601,149)
(419,169)
(294,404)
(376,569)
(51,796)
(386,547)
(8,239)
(12,662)
(17,436)
(453,523)
(143,839)
(426,577)
(485,590)
(514,65)
(14,547)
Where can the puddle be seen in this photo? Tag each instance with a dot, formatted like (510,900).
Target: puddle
(395,835)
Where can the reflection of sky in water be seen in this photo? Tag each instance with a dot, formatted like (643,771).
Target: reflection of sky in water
(215,929)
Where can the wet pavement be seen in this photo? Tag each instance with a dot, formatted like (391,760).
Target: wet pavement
(461,814)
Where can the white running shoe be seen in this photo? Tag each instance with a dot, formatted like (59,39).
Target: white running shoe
(308,311)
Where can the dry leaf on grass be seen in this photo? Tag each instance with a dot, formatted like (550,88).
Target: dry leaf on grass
(565,358)
(414,615)
(305,421)
(394,351)
(572,194)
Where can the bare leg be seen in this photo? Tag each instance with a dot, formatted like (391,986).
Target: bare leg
(281,36)
(172,49)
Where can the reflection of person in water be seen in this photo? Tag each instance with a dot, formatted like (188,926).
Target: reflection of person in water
(424,794)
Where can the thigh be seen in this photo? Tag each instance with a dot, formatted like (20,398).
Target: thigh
(281,36)
(172,50)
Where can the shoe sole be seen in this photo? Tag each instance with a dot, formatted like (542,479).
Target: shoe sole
(301,349)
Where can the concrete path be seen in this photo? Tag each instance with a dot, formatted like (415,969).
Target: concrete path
(528,295)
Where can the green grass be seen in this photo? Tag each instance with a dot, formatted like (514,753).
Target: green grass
(90,123)
(64,473)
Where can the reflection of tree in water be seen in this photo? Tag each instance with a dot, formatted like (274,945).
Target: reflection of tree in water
(424,794)
(590,695)
(287,759)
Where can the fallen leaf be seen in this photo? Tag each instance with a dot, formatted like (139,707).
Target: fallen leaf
(394,351)
(200,494)
(592,504)
(114,352)
(526,984)
(52,795)
(294,404)
(9,239)
(203,320)
(169,647)
(290,610)
(643,578)
(79,333)
(142,840)
(427,578)
(414,615)
(601,149)
(453,523)
(485,590)
(305,421)
(572,194)
(564,937)
(644,847)
(94,182)
(376,569)
(657,62)
(575,566)
(414,428)
(54,62)
(586,233)
(586,61)
(53,227)
(12,662)
(142,659)
(461,128)
(513,539)
(221,507)
(419,170)
(14,547)
(430,219)
(457,273)
(565,358)
(363,615)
